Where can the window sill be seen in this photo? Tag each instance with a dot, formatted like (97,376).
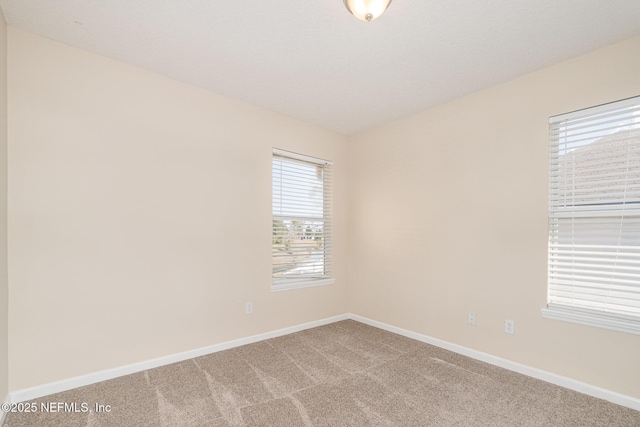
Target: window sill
(287,285)
(612,322)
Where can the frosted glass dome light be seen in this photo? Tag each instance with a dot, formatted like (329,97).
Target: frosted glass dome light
(367,10)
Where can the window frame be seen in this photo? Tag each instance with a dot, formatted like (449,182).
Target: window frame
(615,211)
(284,284)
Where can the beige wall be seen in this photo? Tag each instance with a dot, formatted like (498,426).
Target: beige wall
(3,212)
(449,214)
(140,215)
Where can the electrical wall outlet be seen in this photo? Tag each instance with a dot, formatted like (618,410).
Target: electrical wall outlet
(249,307)
(471,318)
(509,326)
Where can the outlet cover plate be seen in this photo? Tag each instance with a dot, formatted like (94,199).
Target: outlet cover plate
(509,326)
(471,318)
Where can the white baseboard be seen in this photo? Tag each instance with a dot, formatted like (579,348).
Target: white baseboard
(68,384)
(83,380)
(591,390)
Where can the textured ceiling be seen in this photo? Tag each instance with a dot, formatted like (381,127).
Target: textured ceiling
(312,60)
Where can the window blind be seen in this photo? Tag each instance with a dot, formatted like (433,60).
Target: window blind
(594,217)
(301,228)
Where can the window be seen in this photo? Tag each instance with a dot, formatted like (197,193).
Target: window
(301,225)
(594,217)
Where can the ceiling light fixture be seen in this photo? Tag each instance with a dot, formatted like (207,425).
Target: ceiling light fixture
(366,10)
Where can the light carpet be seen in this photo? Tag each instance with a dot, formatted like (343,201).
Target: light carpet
(342,374)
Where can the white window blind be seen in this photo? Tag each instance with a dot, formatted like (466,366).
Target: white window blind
(301,228)
(594,217)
